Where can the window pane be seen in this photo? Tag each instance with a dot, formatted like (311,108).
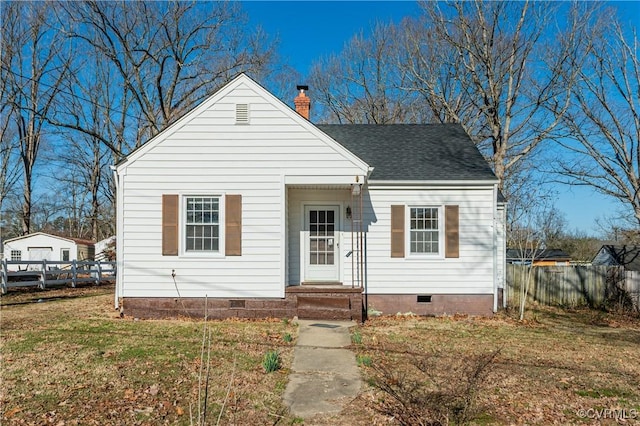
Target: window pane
(202,228)
(424,230)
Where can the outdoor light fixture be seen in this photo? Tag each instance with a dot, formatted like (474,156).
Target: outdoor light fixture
(355,189)
(348,212)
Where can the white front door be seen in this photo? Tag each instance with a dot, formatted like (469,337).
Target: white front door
(322,224)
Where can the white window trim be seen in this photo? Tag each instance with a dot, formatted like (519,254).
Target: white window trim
(441,231)
(182,227)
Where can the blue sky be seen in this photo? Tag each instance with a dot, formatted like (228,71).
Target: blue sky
(308,30)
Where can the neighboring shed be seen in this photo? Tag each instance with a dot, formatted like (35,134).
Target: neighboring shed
(247,205)
(41,246)
(618,255)
(546,257)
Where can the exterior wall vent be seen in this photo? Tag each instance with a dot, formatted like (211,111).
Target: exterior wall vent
(242,113)
(236,303)
(423,298)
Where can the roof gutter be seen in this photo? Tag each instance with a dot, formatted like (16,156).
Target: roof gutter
(374,182)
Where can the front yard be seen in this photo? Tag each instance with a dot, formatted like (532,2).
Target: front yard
(73,360)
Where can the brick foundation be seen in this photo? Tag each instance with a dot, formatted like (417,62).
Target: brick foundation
(440,304)
(306,302)
(328,303)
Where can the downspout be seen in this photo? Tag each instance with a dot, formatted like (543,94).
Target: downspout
(365,275)
(495,248)
(116,301)
(503,249)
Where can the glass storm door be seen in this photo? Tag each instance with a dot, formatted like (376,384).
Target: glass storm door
(321,248)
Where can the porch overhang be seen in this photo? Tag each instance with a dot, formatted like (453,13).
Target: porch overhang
(336,181)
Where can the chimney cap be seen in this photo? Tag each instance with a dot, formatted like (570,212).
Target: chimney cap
(302,87)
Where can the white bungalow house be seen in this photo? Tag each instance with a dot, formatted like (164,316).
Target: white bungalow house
(246,206)
(40,246)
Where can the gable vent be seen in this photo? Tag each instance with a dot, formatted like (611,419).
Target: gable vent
(242,113)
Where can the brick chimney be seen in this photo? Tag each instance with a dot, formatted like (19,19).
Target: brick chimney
(302,102)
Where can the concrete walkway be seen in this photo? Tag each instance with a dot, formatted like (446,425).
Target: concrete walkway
(324,376)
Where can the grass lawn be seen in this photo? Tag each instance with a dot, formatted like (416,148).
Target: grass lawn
(73,360)
(558,367)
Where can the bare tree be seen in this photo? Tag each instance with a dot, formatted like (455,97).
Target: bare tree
(34,69)
(85,152)
(602,125)
(362,85)
(165,57)
(488,66)
(9,163)
(535,223)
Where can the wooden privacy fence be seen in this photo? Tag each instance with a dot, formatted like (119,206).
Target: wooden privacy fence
(594,286)
(47,273)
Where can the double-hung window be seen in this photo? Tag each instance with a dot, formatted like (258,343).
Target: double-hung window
(425,230)
(202,214)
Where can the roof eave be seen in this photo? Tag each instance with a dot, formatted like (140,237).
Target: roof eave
(457,182)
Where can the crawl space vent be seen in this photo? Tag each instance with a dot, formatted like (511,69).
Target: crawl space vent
(242,113)
(236,303)
(423,298)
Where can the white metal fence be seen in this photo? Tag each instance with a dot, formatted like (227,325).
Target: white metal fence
(48,273)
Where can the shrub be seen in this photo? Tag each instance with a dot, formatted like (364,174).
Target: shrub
(271,361)
(425,393)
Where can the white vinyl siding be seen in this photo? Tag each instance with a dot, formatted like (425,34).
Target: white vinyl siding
(208,151)
(431,274)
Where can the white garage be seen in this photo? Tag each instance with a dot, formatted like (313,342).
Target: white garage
(41,246)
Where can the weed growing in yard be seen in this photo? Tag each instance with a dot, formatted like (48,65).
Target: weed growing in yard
(271,361)
(287,338)
(356,337)
(364,360)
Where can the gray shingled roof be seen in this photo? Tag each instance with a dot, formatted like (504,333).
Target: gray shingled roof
(546,254)
(413,151)
(623,255)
